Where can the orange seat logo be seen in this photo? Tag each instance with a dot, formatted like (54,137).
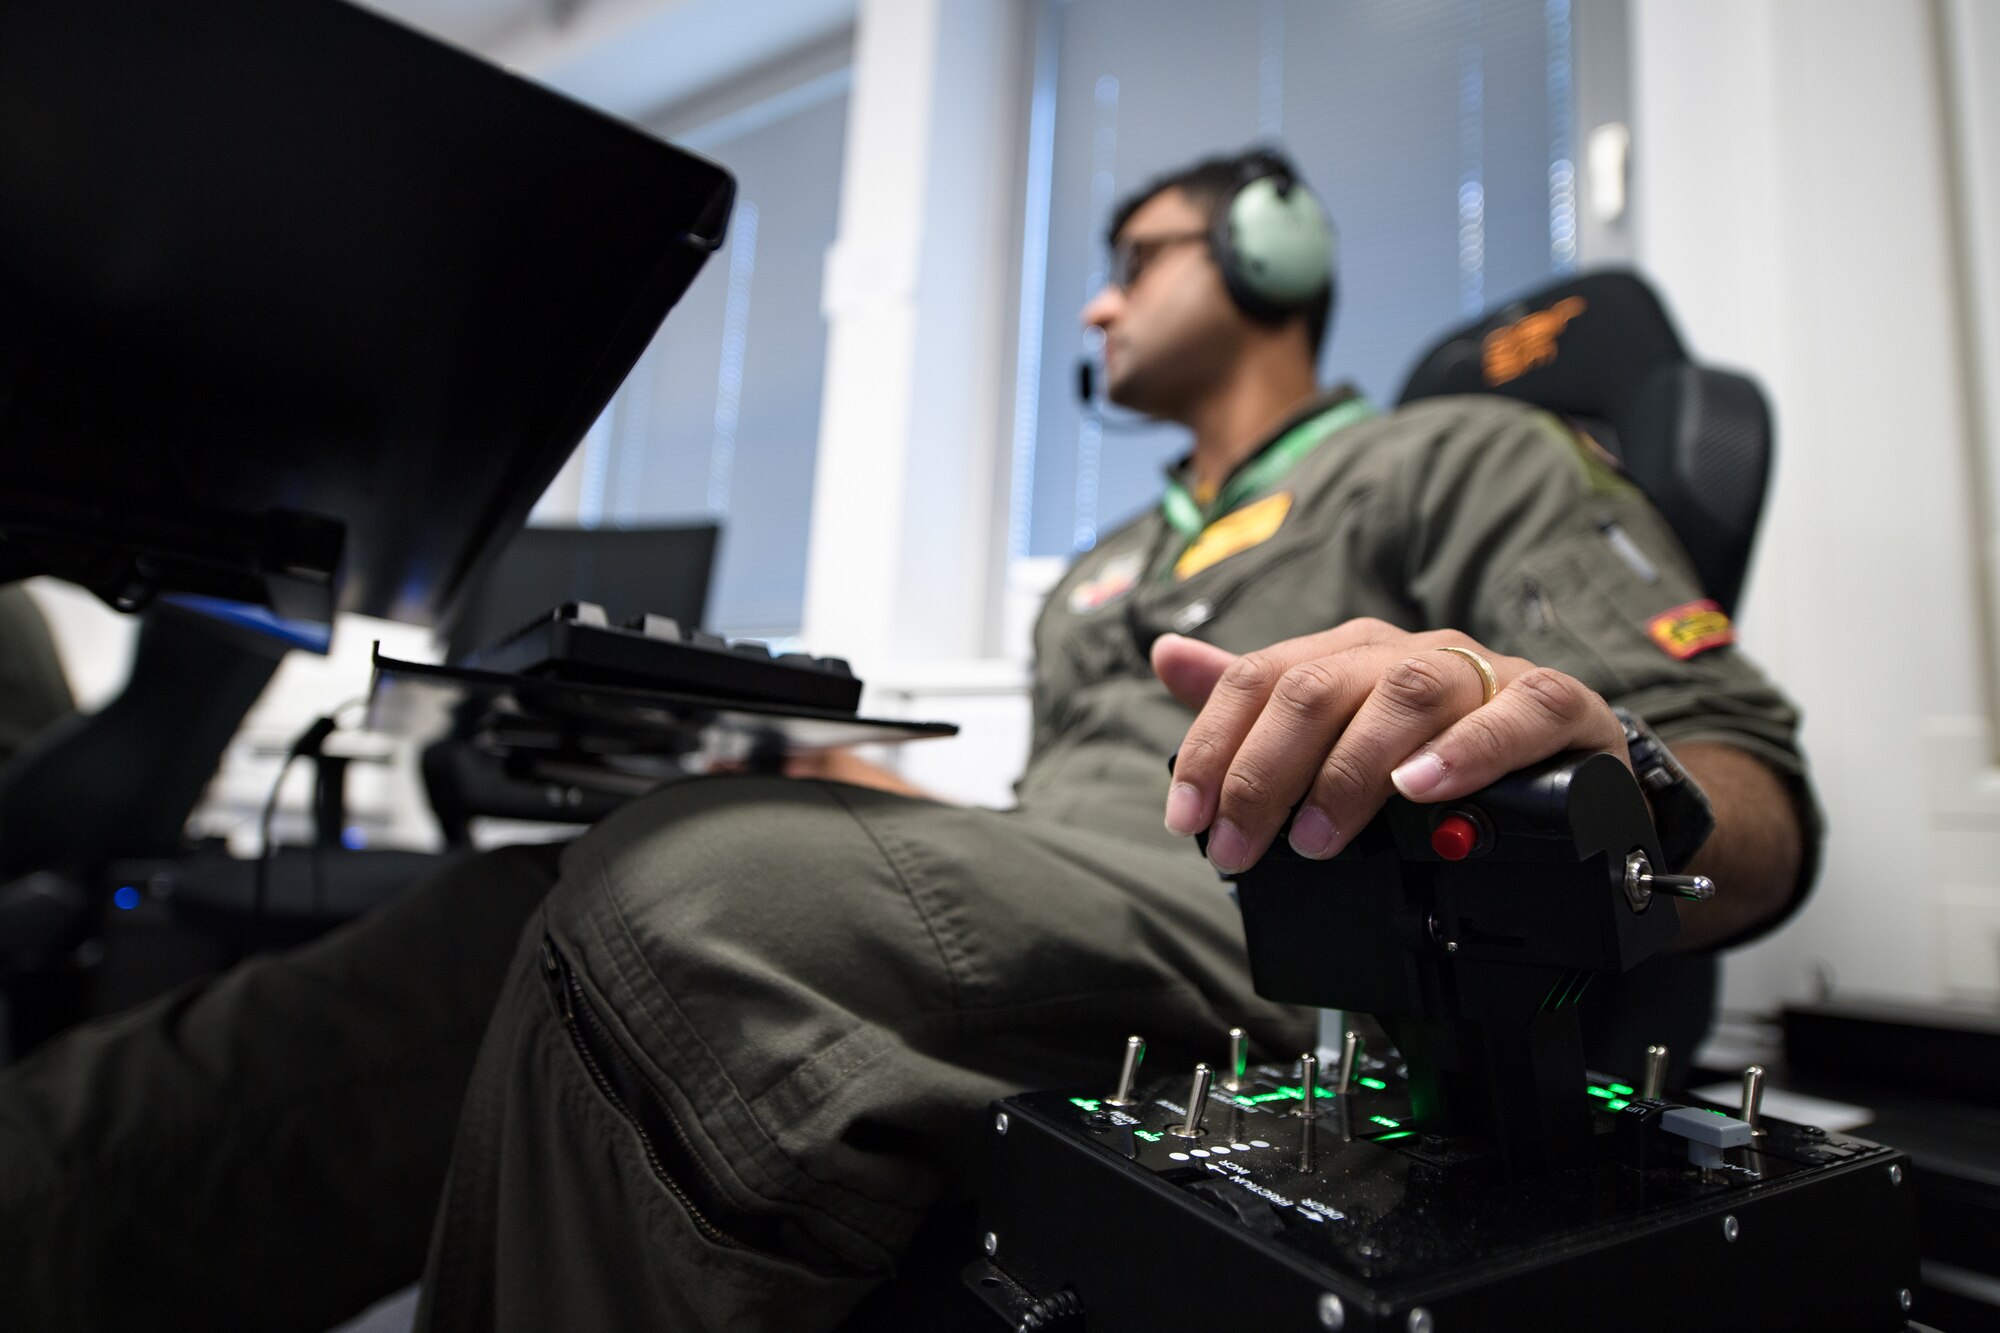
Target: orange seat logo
(1515,349)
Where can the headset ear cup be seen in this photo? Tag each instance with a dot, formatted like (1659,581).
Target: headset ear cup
(1273,243)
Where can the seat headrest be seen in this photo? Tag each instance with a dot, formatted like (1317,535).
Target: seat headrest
(1583,347)
(1599,349)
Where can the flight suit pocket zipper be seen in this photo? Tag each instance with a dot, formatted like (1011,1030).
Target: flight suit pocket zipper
(1535,604)
(668,1149)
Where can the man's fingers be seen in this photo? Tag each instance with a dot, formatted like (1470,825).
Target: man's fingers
(1188,667)
(1414,699)
(1539,713)
(1308,708)
(1235,699)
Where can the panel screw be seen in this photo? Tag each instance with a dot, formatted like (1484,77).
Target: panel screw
(1000,1123)
(1903,1299)
(1420,1321)
(1332,1314)
(1895,1175)
(1730,1230)
(992,1244)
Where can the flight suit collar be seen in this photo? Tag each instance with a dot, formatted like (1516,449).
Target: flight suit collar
(1177,471)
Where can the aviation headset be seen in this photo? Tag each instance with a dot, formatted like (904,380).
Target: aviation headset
(1274,244)
(1273,241)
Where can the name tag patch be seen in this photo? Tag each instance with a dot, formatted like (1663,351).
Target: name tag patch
(1691,629)
(1233,533)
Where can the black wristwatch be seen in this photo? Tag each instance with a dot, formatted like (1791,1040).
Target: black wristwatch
(1681,811)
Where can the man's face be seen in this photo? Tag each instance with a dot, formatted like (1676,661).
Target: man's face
(1171,331)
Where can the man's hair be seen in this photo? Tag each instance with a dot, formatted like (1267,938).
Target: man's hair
(1207,184)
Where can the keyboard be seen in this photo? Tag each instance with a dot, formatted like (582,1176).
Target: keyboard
(576,642)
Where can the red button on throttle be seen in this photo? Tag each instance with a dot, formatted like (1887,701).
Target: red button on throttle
(1454,837)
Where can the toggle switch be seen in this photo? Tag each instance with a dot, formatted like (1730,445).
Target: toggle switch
(1239,1059)
(1642,882)
(1753,1099)
(1128,1072)
(1350,1052)
(1197,1104)
(1653,1083)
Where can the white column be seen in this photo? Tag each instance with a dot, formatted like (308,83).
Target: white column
(903,558)
(1796,195)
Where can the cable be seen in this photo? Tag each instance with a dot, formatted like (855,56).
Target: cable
(309,740)
(308,743)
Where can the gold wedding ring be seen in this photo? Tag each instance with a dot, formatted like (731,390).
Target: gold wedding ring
(1488,682)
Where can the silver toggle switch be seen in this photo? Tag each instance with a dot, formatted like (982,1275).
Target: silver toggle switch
(1642,882)
(1239,1059)
(1752,1109)
(1197,1104)
(1309,1131)
(1350,1053)
(1653,1082)
(1128,1072)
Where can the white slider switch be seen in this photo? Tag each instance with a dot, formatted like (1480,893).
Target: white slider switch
(1707,1133)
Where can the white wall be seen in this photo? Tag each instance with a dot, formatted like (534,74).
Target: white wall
(1796,195)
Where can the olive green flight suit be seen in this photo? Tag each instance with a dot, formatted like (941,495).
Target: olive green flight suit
(746,1042)
(750,1036)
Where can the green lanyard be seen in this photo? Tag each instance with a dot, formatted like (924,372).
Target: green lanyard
(1263,472)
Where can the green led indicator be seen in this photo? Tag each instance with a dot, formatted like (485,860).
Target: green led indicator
(1600,1092)
(1284,1093)
(1617,1104)
(1712,1111)
(1399,1134)
(1087,1103)
(1386,1122)
(1374,1083)
(1621,1089)
(1149,1135)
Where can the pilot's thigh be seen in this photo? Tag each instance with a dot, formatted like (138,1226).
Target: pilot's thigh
(263,1149)
(755,1038)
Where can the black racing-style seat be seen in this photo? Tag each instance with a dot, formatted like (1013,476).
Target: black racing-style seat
(1599,349)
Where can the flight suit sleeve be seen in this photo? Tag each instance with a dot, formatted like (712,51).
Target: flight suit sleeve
(1527,537)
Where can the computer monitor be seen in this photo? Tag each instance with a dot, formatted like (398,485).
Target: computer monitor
(627,571)
(301,308)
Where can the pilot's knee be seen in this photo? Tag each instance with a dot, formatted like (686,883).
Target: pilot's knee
(740,888)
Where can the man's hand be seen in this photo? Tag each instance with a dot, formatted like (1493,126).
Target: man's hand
(844,765)
(1342,718)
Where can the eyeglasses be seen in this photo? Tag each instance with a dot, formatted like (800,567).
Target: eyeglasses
(1131,257)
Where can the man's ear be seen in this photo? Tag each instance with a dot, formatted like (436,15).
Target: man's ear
(1189,668)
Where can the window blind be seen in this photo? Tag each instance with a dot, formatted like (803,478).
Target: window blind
(1437,131)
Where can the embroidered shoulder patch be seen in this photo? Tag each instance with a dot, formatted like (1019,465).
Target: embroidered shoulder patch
(1239,530)
(1691,629)
(1119,576)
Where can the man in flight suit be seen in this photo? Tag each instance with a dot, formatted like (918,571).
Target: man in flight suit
(746,1042)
